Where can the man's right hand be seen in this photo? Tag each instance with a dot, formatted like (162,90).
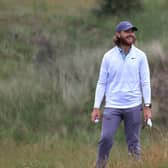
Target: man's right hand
(96,114)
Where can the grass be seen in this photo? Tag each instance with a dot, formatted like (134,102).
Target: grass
(52,152)
(50,53)
(49,61)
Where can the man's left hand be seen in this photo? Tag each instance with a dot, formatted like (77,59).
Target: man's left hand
(147,113)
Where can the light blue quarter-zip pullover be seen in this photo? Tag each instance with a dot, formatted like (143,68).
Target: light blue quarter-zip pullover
(124,80)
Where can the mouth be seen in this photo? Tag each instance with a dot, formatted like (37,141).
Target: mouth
(130,39)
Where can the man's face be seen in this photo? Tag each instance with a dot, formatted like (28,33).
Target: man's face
(127,37)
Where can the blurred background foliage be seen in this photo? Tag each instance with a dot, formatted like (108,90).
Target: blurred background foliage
(50,53)
(119,7)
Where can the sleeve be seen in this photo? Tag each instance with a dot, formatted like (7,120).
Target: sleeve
(145,80)
(101,84)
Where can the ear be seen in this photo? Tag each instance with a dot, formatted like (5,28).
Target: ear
(118,35)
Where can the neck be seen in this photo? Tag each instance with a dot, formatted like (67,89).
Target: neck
(125,48)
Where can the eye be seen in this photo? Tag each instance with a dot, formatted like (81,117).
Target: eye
(129,31)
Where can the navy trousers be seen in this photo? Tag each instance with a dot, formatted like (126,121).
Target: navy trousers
(112,118)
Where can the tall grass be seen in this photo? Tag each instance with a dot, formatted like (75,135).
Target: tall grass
(50,54)
(72,153)
(49,63)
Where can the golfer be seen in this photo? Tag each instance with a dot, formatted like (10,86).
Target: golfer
(124,82)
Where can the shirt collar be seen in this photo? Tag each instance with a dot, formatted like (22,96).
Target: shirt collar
(122,51)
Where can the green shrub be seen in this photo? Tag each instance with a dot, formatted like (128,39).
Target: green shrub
(119,7)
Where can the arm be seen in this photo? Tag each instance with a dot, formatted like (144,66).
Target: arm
(100,89)
(146,87)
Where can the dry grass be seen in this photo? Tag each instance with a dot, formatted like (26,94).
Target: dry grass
(55,153)
(154,155)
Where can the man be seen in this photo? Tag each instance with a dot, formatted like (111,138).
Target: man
(124,81)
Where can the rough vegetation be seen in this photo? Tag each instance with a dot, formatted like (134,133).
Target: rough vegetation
(50,53)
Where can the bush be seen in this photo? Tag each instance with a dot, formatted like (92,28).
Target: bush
(119,7)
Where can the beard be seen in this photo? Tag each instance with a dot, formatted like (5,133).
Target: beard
(128,41)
